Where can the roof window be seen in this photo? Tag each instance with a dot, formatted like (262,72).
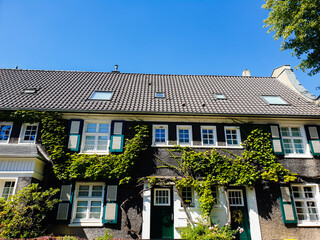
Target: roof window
(159,95)
(274,100)
(30,90)
(220,96)
(101,95)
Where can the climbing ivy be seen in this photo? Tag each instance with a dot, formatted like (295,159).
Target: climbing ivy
(202,170)
(69,166)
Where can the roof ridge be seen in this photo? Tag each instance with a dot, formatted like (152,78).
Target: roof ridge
(153,74)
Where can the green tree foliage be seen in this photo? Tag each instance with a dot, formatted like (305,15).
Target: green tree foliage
(298,23)
(23,214)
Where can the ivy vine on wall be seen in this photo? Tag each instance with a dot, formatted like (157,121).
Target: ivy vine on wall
(68,165)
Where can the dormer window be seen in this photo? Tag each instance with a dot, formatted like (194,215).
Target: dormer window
(159,95)
(101,95)
(274,100)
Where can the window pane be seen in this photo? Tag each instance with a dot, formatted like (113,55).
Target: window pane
(91,127)
(5,132)
(103,128)
(30,133)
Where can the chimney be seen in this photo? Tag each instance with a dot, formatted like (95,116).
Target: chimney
(246,73)
(116,69)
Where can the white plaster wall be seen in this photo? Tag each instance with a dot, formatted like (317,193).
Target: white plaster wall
(146,213)
(253,214)
(219,212)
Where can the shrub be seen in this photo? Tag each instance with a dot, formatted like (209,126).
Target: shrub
(22,215)
(204,232)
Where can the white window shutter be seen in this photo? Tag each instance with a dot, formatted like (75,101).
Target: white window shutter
(313,132)
(117,142)
(117,128)
(75,127)
(112,193)
(275,131)
(73,141)
(65,193)
(287,206)
(63,210)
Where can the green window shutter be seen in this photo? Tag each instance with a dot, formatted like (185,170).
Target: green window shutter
(312,132)
(110,213)
(287,206)
(66,200)
(110,209)
(117,136)
(75,132)
(276,140)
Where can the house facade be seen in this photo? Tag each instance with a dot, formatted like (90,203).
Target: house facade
(202,112)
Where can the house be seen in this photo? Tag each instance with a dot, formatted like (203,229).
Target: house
(198,111)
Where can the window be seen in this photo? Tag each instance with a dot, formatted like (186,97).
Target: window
(274,100)
(28,133)
(88,203)
(5,131)
(293,141)
(236,197)
(220,96)
(187,196)
(306,203)
(101,95)
(96,137)
(232,135)
(184,135)
(215,194)
(159,95)
(161,197)
(208,135)
(160,135)
(8,189)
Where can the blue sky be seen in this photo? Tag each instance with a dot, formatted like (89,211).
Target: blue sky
(144,36)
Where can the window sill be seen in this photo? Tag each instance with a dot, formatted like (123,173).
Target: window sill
(92,153)
(298,156)
(199,146)
(86,224)
(310,224)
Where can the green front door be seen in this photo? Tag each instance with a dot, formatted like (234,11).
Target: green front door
(239,212)
(161,213)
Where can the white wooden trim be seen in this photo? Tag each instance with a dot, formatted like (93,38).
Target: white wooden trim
(146,213)
(160,126)
(6,123)
(253,214)
(23,131)
(238,135)
(83,136)
(190,135)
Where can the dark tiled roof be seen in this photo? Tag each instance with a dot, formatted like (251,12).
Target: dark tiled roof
(187,94)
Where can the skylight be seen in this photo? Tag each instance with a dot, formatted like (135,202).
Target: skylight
(30,90)
(159,95)
(100,95)
(220,96)
(274,100)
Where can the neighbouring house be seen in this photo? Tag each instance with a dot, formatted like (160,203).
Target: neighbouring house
(199,111)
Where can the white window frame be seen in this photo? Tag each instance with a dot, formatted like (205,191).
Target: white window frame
(4,180)
(315,199)
(214,136)
(241,196)
(306,153)
(6,123)
(189,127)
(87,221)
(191,204)
(155,194)
(84,134)
(23,132)
(238,135)
(158,126)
